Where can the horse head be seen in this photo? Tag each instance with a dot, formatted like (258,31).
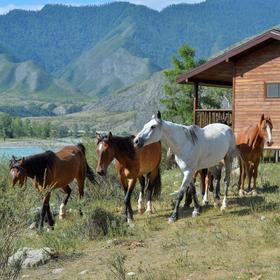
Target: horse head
(150,133)
(105,153)
(265,127)
(17,171)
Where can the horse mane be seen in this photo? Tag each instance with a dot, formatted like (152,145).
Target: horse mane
(190,133)
(37,165)
(124,144)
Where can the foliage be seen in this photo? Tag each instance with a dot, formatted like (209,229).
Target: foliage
(178,98)
(14,127)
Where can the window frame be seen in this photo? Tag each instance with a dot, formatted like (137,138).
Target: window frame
(266,84)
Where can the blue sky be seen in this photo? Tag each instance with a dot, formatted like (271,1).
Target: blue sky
(7,5)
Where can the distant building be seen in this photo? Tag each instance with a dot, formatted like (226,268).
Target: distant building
(252,70)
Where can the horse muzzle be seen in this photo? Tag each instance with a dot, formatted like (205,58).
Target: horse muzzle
(138,142)
(269,143)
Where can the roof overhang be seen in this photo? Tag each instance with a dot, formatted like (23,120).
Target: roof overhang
(219,71)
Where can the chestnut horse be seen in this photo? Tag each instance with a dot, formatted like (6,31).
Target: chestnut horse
(250,143)
(50,171)
(131,164)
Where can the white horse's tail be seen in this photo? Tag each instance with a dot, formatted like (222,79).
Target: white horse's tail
(233,150)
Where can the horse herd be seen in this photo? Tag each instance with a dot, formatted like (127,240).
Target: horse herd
(197,150)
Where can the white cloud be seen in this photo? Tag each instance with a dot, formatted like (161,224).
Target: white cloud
(160,4)
(7,8)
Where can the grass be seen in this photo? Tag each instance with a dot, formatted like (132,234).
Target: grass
(242,243)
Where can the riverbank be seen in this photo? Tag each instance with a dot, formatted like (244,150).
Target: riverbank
(27,146)
(54,142)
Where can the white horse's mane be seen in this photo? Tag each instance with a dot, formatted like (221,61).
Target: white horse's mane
(190,131)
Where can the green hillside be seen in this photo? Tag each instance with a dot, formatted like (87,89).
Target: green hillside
(27,80)
(58,34)
(82,54)
(108,66)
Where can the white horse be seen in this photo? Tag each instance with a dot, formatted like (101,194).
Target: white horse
(194,148)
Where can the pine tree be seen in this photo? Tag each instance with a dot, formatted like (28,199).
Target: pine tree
(178,99)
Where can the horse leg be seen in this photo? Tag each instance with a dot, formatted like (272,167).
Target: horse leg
(255,176)
(49,215)
(228,166)
(127,200)
(45,209)
(216,172)
(243,178)
(62,208)
(210,179)
(250,175)
(188,200)
(185,183)
(141,207)
(154,188)
(195,200)
(124,183)
(81,183)
(204,182)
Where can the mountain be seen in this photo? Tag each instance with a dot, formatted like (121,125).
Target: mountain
(88,53)
(57,35)
(122,112)
(26,80)
(109,63)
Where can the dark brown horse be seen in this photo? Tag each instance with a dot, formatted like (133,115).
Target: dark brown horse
(131,164)
(250,143)
(50,171)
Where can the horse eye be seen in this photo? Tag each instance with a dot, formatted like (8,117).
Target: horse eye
(153,126)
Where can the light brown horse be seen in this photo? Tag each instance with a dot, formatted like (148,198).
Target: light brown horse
(131,164)
(250,143)
(50,171)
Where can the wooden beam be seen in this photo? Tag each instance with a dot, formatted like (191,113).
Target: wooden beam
(195,102)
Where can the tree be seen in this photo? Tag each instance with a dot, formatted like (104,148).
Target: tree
(5,126)
(178,99)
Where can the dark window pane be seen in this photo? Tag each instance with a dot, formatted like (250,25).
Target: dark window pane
(273,90)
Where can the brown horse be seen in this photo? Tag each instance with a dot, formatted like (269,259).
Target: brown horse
(250,143)
(131,164)
(51,170)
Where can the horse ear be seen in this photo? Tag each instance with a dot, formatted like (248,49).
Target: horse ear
(262,118)
(22,160)
(98,136)
(159,115)
(110,135)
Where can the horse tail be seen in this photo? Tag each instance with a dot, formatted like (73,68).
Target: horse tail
(89,172)
(90,175)
(233,150)
(157,185)
(82,148)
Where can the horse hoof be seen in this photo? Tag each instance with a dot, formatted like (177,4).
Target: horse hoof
(130,223)
(217,203)
(62,217)
(141,210)
(149,212)
(172,220)
(241,193)
(195,213)
(254,193)
(50,229)
(205,202)
(223,208)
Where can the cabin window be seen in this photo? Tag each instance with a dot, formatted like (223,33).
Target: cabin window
(273,90)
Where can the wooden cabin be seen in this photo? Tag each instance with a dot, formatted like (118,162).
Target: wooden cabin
(252,70)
